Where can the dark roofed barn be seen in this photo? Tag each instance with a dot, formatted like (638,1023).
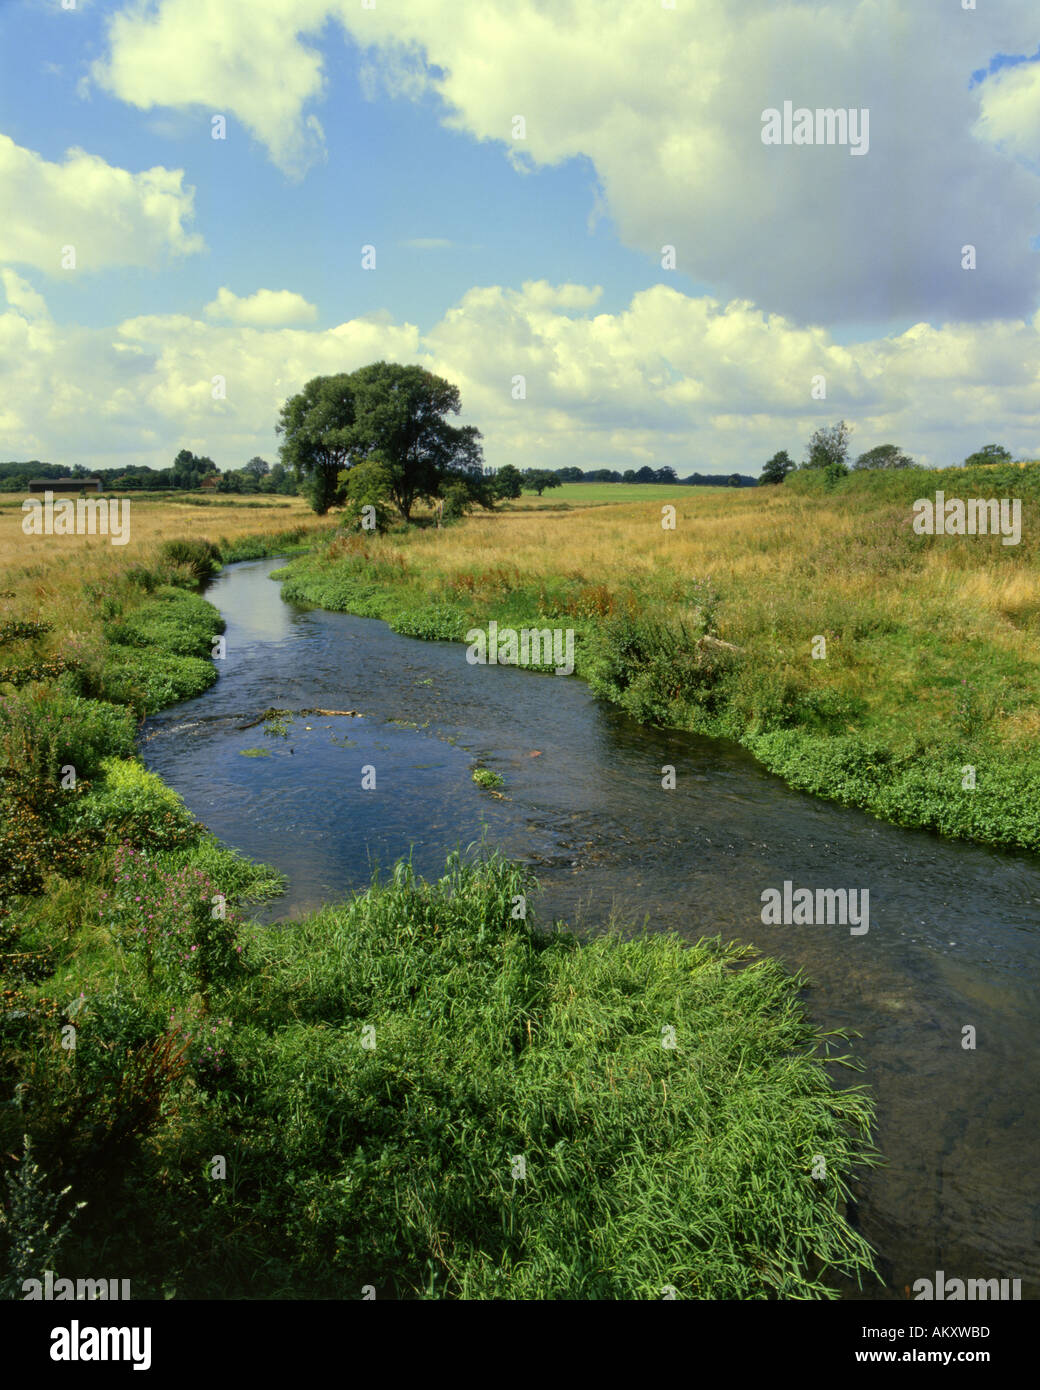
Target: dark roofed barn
(65,485)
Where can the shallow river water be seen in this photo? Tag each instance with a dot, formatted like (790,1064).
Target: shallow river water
(954,930)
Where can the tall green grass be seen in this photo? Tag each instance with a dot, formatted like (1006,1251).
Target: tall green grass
(419,1091)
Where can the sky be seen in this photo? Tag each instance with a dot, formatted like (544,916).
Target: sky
(571,211)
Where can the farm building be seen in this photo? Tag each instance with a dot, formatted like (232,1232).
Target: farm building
(65,485)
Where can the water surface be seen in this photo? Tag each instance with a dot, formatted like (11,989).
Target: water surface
(954,934)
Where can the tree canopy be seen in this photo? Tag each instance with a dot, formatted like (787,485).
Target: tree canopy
(538,479)
(776,469)
(508,481)
(389,413)
(989,453)
(829,448)
(885,456)
(317,424)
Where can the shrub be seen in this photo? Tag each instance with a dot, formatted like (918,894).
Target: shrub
(458,500)
(201,558)
(130,803)
(368,485)
(174,621)
(98,1100)
(149,680)
(44,728)
(170,917)
(30,1221)
(653,668)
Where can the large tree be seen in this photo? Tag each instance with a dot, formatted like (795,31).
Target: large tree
(884,456)
(318,425)
(189,469)
(776,469)
(399,420)
(257,467)
(989,453)
(538,479)
(829,448)
(508,481)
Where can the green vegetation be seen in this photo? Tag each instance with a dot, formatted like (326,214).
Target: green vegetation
(369,1078)
(188,471)
(538,479)
(484,777)
(388,414)
(928,669)
(418,1091)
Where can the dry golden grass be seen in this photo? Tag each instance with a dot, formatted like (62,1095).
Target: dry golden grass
(59,579)
(900,616)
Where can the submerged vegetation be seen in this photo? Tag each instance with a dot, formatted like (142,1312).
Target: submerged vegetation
(857,659)
(484,777)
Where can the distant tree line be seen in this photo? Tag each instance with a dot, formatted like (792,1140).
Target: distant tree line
(828,452)
(646,474)
(538,479)
(187,473)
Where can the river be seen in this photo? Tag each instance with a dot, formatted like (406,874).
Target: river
(954,929)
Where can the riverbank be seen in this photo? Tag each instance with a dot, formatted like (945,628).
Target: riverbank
(919,704)
(206,1088)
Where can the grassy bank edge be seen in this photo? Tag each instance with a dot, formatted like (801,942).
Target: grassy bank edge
(817,750)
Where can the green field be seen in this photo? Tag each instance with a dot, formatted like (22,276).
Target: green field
(599,494)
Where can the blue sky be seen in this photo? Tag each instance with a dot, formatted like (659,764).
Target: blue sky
(391,127)
(394,175)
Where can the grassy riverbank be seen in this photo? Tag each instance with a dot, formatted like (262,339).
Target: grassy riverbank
(219,1110)
(932,660)
(419,1093)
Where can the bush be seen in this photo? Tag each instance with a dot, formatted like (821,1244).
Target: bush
(654,669)
(200,558)
(186,940)
(44,728)
(30,1221)
(130,803)
(149,680)
(89,1105)
(174,621)
(457,501)
(368,485)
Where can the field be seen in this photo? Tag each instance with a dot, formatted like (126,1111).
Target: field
(929,663)
(603,494)
(153,517)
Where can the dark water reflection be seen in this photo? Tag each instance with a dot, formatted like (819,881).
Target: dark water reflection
(954,933)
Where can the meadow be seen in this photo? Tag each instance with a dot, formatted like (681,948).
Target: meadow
(421,1090)
(603,494)
(920,704)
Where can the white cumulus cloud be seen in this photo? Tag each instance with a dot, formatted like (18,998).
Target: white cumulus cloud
(263,309)
(107,215)
(671,379)
(667,105)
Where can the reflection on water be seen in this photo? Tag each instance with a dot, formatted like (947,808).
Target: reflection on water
(954,935)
